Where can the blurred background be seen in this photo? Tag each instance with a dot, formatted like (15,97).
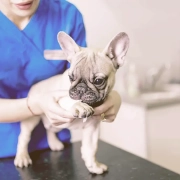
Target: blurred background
(148,123)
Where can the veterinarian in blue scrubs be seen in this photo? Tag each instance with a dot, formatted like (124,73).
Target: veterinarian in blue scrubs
(28,27)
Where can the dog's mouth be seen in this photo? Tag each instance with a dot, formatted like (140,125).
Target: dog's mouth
(89,97)
(95,104)
(86,95)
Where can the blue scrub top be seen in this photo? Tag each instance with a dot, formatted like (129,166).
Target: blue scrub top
(22,63)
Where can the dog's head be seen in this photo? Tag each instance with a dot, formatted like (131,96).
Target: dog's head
(92,72)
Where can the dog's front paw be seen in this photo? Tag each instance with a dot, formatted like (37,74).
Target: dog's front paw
(96,167)
(82,110)
(22,160)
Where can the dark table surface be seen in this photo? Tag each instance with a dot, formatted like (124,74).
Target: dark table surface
(68,165)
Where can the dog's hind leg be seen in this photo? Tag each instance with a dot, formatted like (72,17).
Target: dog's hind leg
(89,147)
(22,156)
(54,143)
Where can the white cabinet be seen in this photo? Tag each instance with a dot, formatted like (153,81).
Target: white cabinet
(163,130)
(153,134)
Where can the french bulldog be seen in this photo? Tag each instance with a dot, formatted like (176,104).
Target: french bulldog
(90,79)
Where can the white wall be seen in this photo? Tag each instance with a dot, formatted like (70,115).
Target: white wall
(153,27)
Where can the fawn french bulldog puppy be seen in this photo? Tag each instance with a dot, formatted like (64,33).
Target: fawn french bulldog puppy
(89,79)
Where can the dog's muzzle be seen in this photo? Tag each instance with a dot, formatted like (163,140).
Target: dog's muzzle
(84,93)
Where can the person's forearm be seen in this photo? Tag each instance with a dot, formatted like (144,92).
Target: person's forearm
(13,110)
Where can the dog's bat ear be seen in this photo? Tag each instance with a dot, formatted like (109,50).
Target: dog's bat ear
(54,55)
(117,49)
(67,44)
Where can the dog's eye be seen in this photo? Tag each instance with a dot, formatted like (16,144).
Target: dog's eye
(98,81)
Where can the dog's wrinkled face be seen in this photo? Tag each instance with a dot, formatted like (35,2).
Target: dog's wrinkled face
(92,76)
(92,72)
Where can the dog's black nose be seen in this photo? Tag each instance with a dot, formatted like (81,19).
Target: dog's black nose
(78,91)
(81,88)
